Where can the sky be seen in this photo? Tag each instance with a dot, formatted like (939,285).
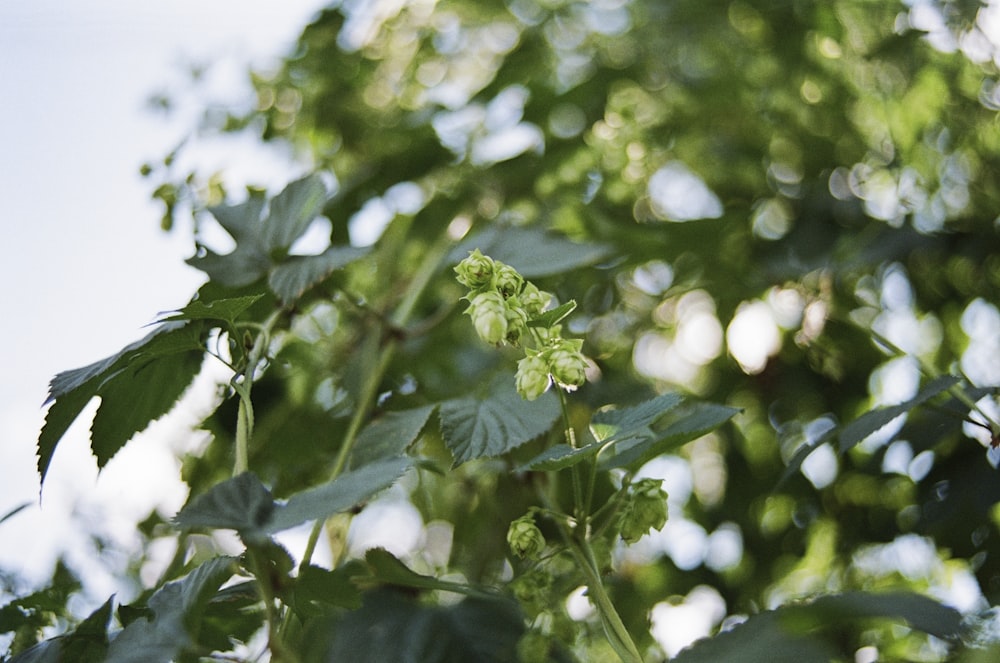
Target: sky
(86,264)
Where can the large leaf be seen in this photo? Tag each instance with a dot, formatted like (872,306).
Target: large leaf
(176,608)
(345,492)
(855,431)
(241,503)
(391,627)
(497,423)
(263,242)
(608,426)
(222,310)
(687,423)
(292,211)
(137,385)
(794,633)
(245,505)
(389,435)
(387,569)
(296,274)
(532,251)
(87,643)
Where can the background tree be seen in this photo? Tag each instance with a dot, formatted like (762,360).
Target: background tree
(773,226)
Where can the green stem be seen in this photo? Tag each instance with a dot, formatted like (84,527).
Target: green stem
(243,387)
(421,279)
(577,543)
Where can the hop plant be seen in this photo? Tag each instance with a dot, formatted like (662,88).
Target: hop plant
(645,509)
(476,271)
(505,308)
(489,316)
(524,537)
(567,364)
(532,378)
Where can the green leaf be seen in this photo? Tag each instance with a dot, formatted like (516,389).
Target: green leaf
(621,423)
(388,569)
(871,421)
(224,310)
(296,274)
(549,318)
(795,633)
(502,421)
(137,385)
(389,435)
(532,251)
(292,211)
(317,590)
(343,493)
(245,505)
(87,643)
(687,424)
(560,456)
(177,609)
(241,503)
(855,431)
(472,630)
(262,244)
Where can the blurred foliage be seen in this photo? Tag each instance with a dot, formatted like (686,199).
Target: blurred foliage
(784,207)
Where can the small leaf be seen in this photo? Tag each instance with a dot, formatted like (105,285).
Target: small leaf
(855,431)
(88,643)
(296,274)
(617,424)
(474,428)
(388,569)
(692,422)
(795,633)
(389,435)
(317,589)
(559,457)
(292,211)
(532,251)
(176,608)
(472,630)
(345,492)
(224,310)
(241,503)
(873,420)
(553,317)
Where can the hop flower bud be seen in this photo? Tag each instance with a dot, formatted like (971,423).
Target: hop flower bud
(489,316)
(567,364)
(517,320)
(646,509)
(534,300)
(532,378)
(506,280)
(524,537)
(476,271)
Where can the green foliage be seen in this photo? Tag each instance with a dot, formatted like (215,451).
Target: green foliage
(735,236)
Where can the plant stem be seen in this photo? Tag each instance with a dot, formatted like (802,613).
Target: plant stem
(579,546)
(244,416)
(383,349)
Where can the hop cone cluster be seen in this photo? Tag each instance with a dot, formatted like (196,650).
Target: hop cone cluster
(502,304)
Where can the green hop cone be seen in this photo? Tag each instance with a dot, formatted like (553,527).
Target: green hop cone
(517,320)
(506,280)
(534,300)
(567,364)
(524,537)
(646,509)
(489,316)
(476,271)
(532,378)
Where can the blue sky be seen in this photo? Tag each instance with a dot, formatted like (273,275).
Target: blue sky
(86,266)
